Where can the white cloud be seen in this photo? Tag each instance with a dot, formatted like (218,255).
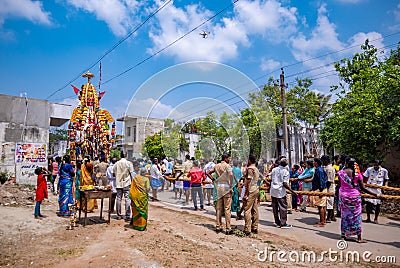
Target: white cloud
(323,37)
(74,102)
(221,43)
(116,13)
(268,18)
(359,38)
(269,64)
(26,9)
(157,109)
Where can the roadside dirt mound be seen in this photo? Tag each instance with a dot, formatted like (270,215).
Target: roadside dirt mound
(12,194)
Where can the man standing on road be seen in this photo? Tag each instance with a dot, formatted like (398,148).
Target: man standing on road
(319,186)
(197,176)
(376,175)
(187,165)
(123,176)
(112,183)
(330,185)
(100,170)
(306,177)
(279,184)
(250,198)
(224,191)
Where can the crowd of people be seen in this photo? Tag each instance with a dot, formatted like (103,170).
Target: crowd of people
(228,186)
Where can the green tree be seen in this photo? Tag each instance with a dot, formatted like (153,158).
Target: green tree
(364,121)
(152,146)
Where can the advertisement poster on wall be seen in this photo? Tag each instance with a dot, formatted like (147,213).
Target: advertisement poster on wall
(30,153)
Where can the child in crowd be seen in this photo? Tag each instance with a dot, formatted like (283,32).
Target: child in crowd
(41,190)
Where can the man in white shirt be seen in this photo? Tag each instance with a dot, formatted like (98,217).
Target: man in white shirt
(279,184)
(156,178)
(112,183)
(209,186)
(123,177)
(376,175)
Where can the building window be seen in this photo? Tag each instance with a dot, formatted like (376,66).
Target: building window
(134,134)
(128,131)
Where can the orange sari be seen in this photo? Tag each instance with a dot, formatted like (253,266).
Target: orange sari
(86,179)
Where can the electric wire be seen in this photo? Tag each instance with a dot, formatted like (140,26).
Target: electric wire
(112,48)
(260,86)
(172,43)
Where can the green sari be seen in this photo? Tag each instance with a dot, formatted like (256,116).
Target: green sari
(140,201)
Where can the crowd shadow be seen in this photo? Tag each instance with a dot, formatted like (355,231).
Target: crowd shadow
(92,220)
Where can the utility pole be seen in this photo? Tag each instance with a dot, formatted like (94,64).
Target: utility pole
(285,130)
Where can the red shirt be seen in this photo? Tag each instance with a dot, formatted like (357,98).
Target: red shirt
(41,190)
(196,175)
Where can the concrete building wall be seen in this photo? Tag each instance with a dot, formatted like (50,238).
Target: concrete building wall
(26,121)
(136,130)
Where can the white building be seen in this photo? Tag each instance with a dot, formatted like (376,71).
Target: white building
(136,129)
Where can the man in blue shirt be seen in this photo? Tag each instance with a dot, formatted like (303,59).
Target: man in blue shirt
(294,184)
(306,177)
(319,185)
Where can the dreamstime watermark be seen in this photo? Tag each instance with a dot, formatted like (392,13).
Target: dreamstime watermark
(341,255)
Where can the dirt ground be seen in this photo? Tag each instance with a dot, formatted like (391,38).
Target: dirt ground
(174,238)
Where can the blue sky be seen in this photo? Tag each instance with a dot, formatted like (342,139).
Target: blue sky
(46,44)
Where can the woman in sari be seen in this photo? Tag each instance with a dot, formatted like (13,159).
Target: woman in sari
(237,176)
(350,184)
(138,193)
(66,181)
(86,179)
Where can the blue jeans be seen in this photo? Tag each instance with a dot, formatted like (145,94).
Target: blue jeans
(197,190)
(37,208)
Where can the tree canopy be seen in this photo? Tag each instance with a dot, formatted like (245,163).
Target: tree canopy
(364,121)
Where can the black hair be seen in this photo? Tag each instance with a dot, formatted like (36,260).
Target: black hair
(252,159)
(309,163)
(187,157)
(136,163)
(225,156)
(283,162)
(122,154)
(67,159)
(326,158)
(318,161)
(378,162)
(351,165)
(296,167)
(78,164)
(38,171)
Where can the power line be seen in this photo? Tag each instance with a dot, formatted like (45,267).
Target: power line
(258,87)
(113,47)
(302,72)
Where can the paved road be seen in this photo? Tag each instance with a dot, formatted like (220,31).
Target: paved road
(383,238)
